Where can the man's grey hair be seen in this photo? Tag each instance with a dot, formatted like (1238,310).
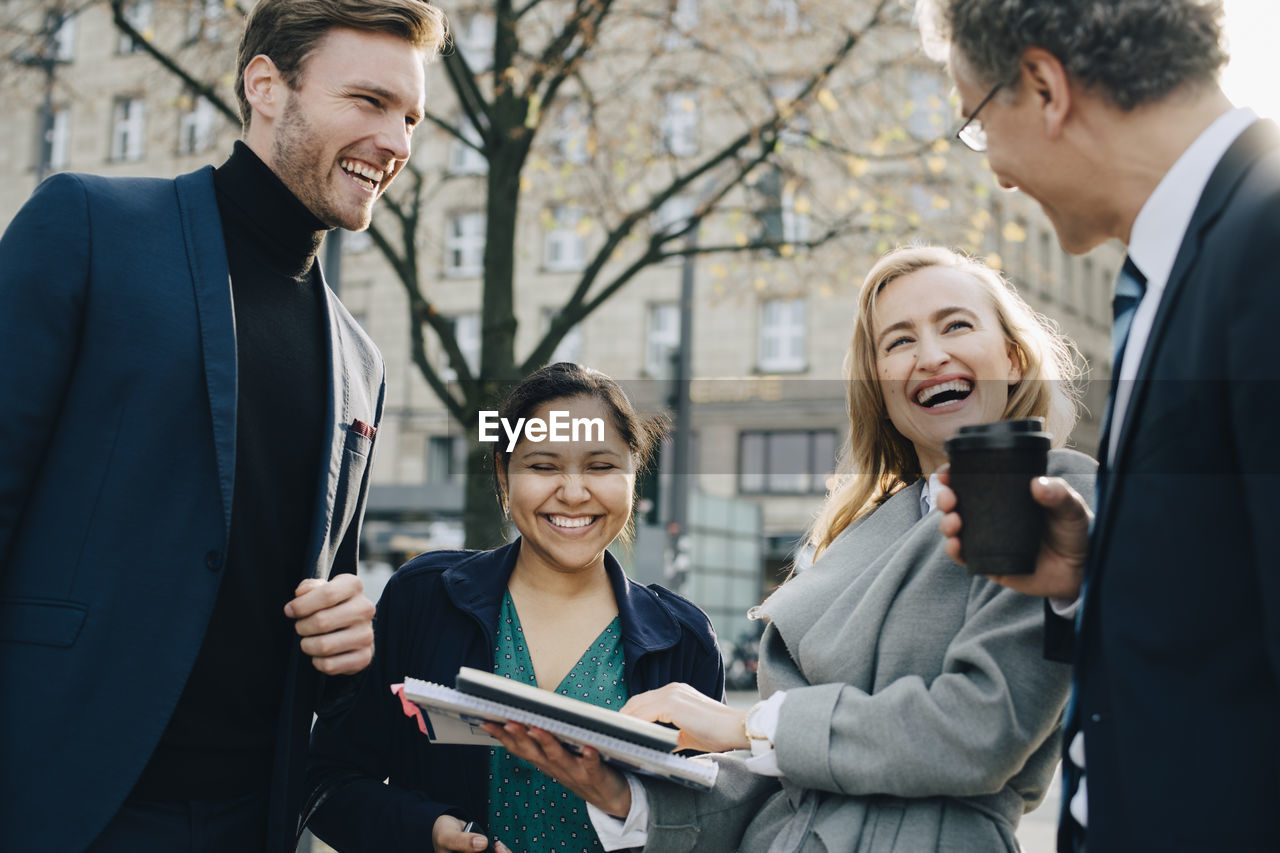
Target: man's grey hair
(1134,52)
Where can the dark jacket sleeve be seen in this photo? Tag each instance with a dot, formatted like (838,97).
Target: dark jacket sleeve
(1059,636)
(44,277)
(1080,472)
(351,808)
(698,661)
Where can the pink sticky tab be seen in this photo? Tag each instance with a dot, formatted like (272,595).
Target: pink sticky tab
(409,708)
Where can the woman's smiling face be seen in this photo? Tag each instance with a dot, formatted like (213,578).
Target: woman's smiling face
(570,500)
(942,360)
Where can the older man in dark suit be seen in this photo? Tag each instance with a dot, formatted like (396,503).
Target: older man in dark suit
(1109,114)
(188,417)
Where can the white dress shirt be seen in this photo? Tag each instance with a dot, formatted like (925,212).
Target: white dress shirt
(1154,241)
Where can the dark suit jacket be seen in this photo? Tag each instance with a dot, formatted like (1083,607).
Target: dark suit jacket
(118,394)
(440,612)
(1178,651)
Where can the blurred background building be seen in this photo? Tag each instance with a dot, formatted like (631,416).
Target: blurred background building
(847,155)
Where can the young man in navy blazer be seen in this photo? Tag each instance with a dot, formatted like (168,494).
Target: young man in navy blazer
(189,414)
(1109,113)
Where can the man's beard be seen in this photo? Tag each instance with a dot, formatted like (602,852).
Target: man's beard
(299,164)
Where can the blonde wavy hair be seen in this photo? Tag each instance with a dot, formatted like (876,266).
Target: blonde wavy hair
(878,460)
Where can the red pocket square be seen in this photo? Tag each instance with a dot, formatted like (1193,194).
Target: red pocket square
(362,428)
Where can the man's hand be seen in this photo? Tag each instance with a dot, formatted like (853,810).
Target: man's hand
(1060,564)
(704,723)
(335,622)
(585,775)
(447,836)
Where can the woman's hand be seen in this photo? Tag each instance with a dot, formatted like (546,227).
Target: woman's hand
(704,723)
(585,775)
(447,837)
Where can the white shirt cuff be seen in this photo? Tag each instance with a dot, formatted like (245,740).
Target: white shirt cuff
(616,833)
(1079,805)
(762,723)
(1065,607)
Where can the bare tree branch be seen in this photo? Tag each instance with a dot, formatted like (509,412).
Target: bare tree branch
(200,88)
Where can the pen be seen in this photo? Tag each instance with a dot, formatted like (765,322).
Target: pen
(472,826)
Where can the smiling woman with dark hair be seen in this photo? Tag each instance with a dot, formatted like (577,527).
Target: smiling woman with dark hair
(906,704)
(552,609)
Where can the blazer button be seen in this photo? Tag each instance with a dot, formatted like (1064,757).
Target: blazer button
(213,561)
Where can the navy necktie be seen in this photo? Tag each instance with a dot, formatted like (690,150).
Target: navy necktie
(1131,286)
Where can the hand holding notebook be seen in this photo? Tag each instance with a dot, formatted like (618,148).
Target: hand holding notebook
(453,715)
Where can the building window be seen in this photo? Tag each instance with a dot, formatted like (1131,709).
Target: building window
(195,131)
(795,130)
(128,123)
(51,147)
(64,37)
(475,39)
(1019,266)
(782,336)
(783,214)
(465,157)
(466,331)
(565,249)
(138,14)
(1088,289)
(355,242)
(570,346)
(673,214)
(930,113)
(679,124)
(1045,267)
(684,18)
(788,12)
(795,217)
(204,20)
(464,245)
(785,462)
(569,134)
(662,339)
(1068,295)
(446,459)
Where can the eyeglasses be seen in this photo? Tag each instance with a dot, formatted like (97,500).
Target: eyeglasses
(972,133)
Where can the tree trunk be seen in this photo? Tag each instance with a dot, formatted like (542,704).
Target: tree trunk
(481,517)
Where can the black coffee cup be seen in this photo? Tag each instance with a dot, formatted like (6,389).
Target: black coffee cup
(992,466)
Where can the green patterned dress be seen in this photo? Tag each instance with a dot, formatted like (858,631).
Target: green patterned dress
(529,812)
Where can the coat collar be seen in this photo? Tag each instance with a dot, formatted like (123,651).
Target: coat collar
(476,584)
(211,281)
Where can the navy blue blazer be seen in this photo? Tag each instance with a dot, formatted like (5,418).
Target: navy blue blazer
(119,398)
(1178,650)
(440,612)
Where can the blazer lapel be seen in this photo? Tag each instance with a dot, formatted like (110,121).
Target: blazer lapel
(211,281)
(1259,138)
(337,410)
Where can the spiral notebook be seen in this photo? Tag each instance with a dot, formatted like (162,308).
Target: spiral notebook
(453,715)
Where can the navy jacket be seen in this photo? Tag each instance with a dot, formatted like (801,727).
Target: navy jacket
(1178,647)
(118,388)
(439,612)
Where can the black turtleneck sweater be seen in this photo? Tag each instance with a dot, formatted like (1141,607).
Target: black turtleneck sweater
(220,742)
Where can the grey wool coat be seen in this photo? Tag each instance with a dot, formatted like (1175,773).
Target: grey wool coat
(920,714)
